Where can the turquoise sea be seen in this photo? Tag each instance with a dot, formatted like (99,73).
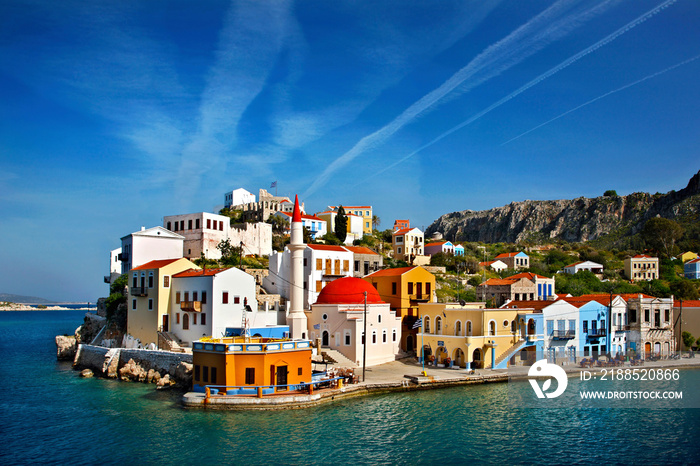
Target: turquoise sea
(49,415)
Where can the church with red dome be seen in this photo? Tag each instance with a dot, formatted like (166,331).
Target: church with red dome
(337,319)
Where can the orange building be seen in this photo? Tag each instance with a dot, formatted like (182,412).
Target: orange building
(234,366)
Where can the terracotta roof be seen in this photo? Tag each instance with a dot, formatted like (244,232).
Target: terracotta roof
(575,263)
(391,272)
(686,304)
(349,290)
(643,256)
(486,263)
(528,275)
(507,254)
(326,247)
(693,261)
(536,305)
(579,301)
(156,264)
(199,272)
(361,250)
(498,281)
(439,243)
(403,231)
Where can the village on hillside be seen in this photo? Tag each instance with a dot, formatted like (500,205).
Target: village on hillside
(268,289)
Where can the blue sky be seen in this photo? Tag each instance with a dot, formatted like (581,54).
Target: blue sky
(115,114)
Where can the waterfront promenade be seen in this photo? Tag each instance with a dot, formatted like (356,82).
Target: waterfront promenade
(401,375)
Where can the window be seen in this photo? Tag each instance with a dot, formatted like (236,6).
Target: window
(150,304)
(438,325)
(187,295)
(426,324)
(236,300)
(646,315)
(213,375)
(319,285)
(133,304)
(182,225)
(469,328)
(357,266)
(319,264)
(186,322)
(166,281)
(169,227)
(458,328)
(250,376)
(346,265)
(150,279)
(305,263)
(177,318)
(189,224)
(208,224)
(572,325)
(224,297)
(492,328)
(393,335)
(374,337)
(585,326)
(204,319)
(196,224)
(206,374)
(399,240)
(384,336)
(410,287)
(393,288)
(667,315)
(379,318)
(221,226)
(177,297)
(194,296)
(136,280)
(427,289)
(175,227)
(398,250)
(204,297)
(194,319)
(550,327)
(197,373)
(347,339)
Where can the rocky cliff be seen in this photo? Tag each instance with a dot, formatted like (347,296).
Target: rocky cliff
(575,220)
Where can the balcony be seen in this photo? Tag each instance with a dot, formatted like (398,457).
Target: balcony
(139,291)
(596,333)
(622,328)
(123,256)
(333,273)
(108,278)
(191,306)
(420,298)
(563,334)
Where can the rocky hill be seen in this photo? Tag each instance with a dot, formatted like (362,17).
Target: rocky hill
(575,220)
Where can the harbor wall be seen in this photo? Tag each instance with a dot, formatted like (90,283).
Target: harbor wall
(107,362)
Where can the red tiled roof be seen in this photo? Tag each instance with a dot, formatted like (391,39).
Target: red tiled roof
(391,272)
(575,263)
(507,254)
(687,304)
(326,247)
(439,243)
(199,272)
(156,264)
(693,261)
(643,256)
(536,305)
(487,263)
(402,231)
(361,250)
(528,275)
(498,281)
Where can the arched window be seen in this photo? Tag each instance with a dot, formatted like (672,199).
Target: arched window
(492,328)
(374,337)
(469,328)
(426,324)
(458,328)
(438,326)
(185,322)
(512,326)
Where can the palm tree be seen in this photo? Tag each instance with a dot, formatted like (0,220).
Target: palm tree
(376,221)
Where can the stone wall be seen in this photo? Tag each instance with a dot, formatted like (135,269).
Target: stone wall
(111,362)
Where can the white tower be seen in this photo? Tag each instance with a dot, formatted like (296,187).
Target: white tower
(296,319)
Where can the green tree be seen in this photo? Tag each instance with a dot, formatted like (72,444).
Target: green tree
(661,235)
(688,339)
(684,289)
(230,254)
(610,193)
(279,224)
(341,224)
(376,221)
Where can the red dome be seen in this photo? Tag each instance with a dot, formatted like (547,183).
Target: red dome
(348,290)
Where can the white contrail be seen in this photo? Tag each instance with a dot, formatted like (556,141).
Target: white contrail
(569,61)
(646,78)
(494,60)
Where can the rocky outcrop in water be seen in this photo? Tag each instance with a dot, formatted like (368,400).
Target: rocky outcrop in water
(576,220)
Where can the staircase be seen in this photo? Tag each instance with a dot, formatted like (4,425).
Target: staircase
(509,353)
(337,358)
(168,342)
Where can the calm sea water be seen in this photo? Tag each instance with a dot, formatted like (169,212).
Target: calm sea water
(50,415)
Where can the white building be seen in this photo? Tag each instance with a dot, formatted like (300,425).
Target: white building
(209,301)
(238,197)
(337,318)
(355,229)
(147,245)
(204,231)
(315,225)
(591,266)
(115,266)
(322,264)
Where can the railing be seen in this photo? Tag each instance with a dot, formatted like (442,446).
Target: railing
(251,347)
(191,306)
(622,328)
(563,334)
(123,256)
(596,333)
(331,273)
(261,390)
(139,291)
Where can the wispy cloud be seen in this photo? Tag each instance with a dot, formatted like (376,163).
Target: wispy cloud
(552,71)
(607,94)
(553,23)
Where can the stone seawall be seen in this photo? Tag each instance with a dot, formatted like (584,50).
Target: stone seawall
(135,364)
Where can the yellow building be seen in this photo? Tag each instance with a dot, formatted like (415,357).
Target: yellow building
(404,289)
(471,336)
(240,366)
(688,256)
(364,211)
(149,297)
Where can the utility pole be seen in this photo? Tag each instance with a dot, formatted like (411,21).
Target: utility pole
(364,347)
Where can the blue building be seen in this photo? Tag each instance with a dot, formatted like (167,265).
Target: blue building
(691,269)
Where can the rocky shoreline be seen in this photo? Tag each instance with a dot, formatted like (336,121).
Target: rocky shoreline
(7,306)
